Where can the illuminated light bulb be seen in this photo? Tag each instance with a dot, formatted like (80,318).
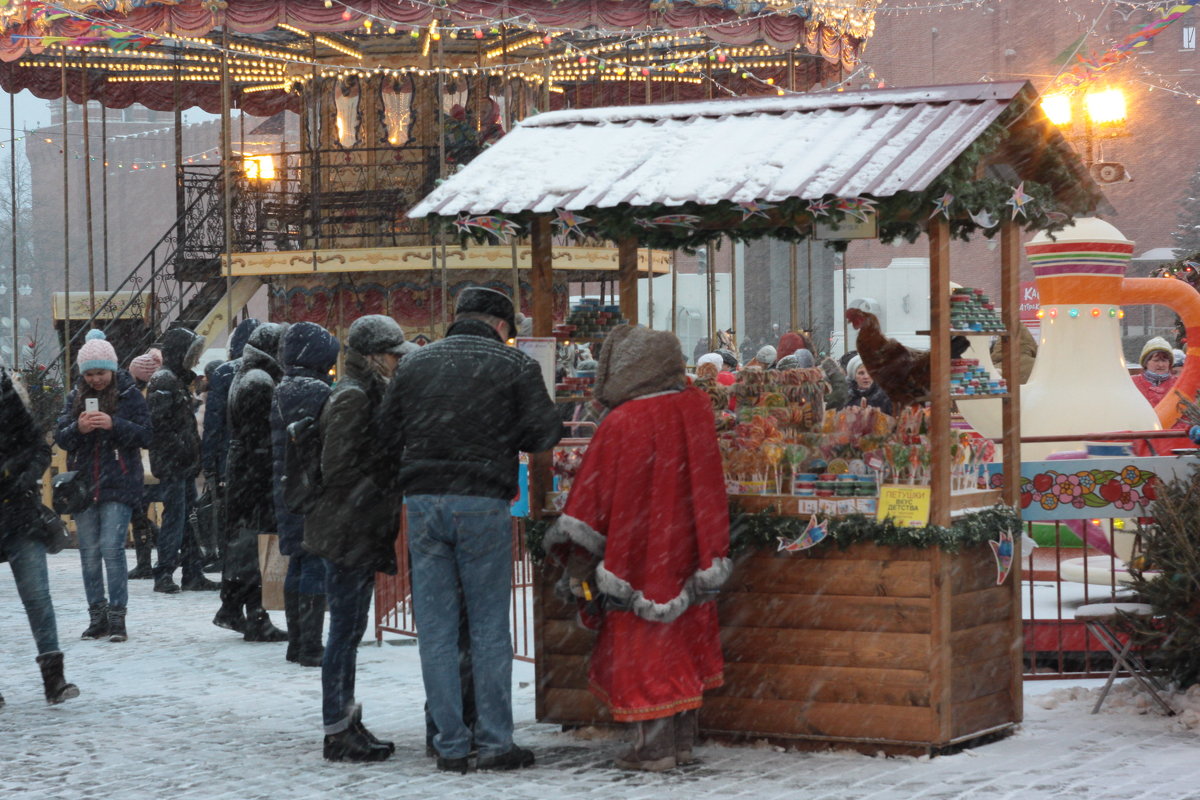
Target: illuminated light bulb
(547,39)
(329,3)
(367,24)
(1057,108)
(1095,312)
(1120,313)
(1053,313)
(435,35)
(770,81)
(346,15)
(1041,312)
(1112,312)
(721,58)
(1074,312)
(391,28)
(583,59)
(478,34)
(645,71)
(414,33)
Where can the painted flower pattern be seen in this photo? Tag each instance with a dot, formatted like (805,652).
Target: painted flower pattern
(1128,489)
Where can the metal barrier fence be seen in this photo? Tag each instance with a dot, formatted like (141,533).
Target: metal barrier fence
(394,602)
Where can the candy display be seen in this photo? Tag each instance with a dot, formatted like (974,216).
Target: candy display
(971,310)
(589,319)
(968,378)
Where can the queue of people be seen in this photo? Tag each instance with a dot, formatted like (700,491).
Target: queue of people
(437,428)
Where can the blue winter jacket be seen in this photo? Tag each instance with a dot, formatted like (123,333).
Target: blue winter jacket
(214,446)
(111,459)
(309,352)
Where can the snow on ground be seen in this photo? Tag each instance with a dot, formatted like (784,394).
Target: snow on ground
(187,710)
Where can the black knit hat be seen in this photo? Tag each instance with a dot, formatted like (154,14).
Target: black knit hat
(478,300)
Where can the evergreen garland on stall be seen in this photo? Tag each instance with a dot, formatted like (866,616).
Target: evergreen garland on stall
(1187,229)
(762,530)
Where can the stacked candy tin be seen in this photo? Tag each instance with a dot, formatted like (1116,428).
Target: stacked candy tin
(971,310)
(968,378)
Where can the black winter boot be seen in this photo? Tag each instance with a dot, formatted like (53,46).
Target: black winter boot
(116,625)
(229,615)
(143,542)
(356,722)
(57,689)
(260,629)
(97,621)
(352,745)
(312,629)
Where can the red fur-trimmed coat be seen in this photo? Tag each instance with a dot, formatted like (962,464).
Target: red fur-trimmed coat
(649,500)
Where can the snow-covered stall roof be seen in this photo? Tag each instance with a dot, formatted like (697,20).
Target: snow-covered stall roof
(807,146)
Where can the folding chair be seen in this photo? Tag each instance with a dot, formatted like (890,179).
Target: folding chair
(1104,620)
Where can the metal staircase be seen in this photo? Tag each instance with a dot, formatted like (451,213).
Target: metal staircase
(178,283)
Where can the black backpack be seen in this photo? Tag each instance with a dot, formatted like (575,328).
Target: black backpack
(302,466)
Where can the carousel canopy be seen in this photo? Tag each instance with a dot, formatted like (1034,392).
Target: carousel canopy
(751,154)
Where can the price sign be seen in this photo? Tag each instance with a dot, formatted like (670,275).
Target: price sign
(907,506)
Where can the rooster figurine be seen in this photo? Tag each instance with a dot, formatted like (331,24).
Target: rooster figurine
(902,373)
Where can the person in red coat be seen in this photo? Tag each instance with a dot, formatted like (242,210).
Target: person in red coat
(646,528)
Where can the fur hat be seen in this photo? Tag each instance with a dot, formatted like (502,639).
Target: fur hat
(96,353)
(145,365)
(376,333)
(478,300)
(710,358)
(1156,344)
(637,361)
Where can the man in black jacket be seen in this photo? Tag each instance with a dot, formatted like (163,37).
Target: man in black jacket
(175,459)
(454,419)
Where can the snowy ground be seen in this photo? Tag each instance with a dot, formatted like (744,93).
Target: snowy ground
(184,709)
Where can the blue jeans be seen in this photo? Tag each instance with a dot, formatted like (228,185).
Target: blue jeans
(348,594)
(27,558)
(175,537)
(102,530)
(458,540)
(306,574)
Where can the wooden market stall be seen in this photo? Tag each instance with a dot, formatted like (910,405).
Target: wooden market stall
(909,643)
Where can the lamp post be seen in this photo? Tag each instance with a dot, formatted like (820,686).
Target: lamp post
(1099,108)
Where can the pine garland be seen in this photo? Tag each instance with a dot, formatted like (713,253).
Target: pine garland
(751,531)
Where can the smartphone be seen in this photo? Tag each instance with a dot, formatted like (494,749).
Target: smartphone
(91,404)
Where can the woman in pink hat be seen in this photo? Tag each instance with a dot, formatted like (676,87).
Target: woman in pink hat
(104,424)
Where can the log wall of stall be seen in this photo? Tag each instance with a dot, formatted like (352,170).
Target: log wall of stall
(871,644)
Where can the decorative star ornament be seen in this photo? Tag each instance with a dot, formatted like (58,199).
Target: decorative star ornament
(814,534)
(1019,200)
(754,209)
(858,207)
(493,225)
(686,221)
(568,222)
(1003,552)
(943,206)
(819,208)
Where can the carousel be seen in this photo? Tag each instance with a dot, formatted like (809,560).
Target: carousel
(392,96)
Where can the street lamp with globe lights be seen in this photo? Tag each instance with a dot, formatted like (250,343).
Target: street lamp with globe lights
(1102,110)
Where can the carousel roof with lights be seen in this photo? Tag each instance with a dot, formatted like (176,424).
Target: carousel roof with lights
(143,50)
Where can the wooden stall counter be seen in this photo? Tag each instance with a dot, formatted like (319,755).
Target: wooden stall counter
(902,649)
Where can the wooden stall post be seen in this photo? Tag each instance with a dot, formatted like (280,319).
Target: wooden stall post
(939,369)
(627,277)
(541,285)
(1010,299)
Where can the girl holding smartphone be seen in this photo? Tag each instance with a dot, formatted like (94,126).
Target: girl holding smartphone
(104,423)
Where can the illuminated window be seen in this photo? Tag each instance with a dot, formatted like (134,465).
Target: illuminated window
(260,168)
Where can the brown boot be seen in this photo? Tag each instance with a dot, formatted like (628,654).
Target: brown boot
(653,746)
(687,727)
